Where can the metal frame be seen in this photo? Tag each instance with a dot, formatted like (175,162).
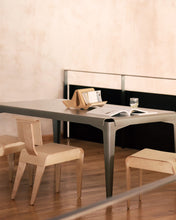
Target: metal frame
(123,79)
(109,130)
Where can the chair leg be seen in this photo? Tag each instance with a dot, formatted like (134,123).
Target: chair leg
(38,176)
(79,174)
(57,176)
(19,174)
(11,159)
(128,182)
(140,183)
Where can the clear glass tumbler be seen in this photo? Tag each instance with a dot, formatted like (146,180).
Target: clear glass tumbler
(134,102)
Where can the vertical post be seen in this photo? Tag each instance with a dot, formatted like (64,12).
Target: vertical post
(174,128)
(123,103)
(123,89)
(66,96)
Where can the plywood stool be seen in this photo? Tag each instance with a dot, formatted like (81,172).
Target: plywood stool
(148,159)
(45,155)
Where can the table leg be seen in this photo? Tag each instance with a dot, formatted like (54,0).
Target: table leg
(56,131)
(109,151)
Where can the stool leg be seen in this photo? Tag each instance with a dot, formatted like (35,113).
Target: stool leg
(11,159)
(79,174)
(128,182)
(57,176)
(140,183)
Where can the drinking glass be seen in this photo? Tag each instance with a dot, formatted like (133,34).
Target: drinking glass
(134,102)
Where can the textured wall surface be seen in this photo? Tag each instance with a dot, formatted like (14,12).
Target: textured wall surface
(38,39)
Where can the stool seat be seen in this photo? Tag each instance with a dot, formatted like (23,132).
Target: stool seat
(153,160)
(149,159)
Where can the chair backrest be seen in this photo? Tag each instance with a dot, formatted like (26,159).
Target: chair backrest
(36,127)
(30,132)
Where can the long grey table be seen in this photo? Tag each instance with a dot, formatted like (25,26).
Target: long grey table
(56,110)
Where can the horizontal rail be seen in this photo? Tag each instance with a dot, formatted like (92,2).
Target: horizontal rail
(119,81)
(120,74)
(115,199)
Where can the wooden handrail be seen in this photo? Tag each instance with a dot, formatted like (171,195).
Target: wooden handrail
(115,199)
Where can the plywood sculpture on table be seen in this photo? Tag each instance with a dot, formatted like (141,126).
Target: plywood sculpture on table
(78,99)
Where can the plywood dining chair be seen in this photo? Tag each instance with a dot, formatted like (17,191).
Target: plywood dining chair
(10,145)
(45,155)
(149,159)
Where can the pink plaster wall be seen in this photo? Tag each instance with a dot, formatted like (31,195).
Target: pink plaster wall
(38,39)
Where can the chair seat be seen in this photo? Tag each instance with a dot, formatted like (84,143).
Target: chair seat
(51,153)
(10,144)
